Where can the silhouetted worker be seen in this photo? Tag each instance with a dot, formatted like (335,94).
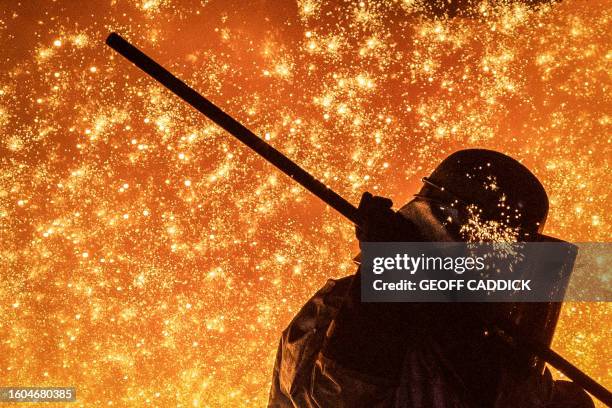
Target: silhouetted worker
(340,352)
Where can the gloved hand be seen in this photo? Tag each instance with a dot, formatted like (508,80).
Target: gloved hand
(379,223)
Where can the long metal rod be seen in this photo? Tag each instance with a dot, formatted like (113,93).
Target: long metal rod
(571,371)
(287,166)
(235,128)
(556,360)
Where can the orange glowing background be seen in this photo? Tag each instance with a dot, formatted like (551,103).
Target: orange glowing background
(149,259)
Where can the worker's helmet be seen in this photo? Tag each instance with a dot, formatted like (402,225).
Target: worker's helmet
(483,195)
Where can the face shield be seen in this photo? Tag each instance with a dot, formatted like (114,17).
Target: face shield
(441,217)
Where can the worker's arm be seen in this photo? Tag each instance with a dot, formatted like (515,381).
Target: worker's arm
(371,338)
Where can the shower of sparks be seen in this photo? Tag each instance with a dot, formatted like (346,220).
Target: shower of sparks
(476,229)
(149,259)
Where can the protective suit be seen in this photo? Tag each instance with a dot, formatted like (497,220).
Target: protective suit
(304,377)
(341,352)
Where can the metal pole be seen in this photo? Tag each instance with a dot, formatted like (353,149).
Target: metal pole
(556,360)
(235,128)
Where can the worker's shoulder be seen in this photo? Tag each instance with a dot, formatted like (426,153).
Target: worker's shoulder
(336,286)
(315,316)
